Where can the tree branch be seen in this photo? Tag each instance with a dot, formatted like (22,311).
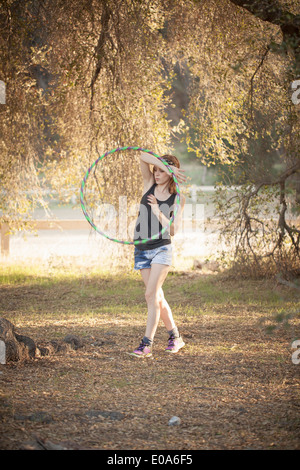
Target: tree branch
(100,48)
(272,12)
(253,76)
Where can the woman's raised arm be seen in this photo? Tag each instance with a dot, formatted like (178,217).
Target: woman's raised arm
(147,159)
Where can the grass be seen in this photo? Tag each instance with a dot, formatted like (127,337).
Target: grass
(234,385)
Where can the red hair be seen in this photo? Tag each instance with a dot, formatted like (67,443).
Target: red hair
(175,161)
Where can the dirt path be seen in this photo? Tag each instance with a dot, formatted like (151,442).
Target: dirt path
(234,386)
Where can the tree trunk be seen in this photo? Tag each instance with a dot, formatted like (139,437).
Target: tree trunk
(16,347)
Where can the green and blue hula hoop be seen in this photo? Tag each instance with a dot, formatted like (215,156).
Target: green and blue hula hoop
(97,229)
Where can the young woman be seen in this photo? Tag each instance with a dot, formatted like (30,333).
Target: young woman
(154,258)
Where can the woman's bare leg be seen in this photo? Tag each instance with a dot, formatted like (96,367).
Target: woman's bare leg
(158,307)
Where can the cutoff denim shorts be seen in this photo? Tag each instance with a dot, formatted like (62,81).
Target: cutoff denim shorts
(144,258)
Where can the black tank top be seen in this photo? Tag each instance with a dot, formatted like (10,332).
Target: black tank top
(148,224)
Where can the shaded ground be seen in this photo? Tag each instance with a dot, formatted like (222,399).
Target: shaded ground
(234,385)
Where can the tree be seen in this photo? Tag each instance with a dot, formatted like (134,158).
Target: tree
(279,241)
(241,116)
(104,89)
(86,76)
(289,23)
(21,118)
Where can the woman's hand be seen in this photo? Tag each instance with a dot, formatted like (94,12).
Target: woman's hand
(179,173)
(152,201)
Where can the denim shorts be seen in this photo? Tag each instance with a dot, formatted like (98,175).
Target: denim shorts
(144,258)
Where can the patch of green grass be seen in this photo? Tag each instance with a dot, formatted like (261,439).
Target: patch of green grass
(32,292)
(213,290)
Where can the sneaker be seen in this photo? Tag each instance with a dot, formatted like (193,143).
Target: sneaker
(144,350)
(174,344)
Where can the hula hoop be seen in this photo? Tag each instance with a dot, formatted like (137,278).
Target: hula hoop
(127,242)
